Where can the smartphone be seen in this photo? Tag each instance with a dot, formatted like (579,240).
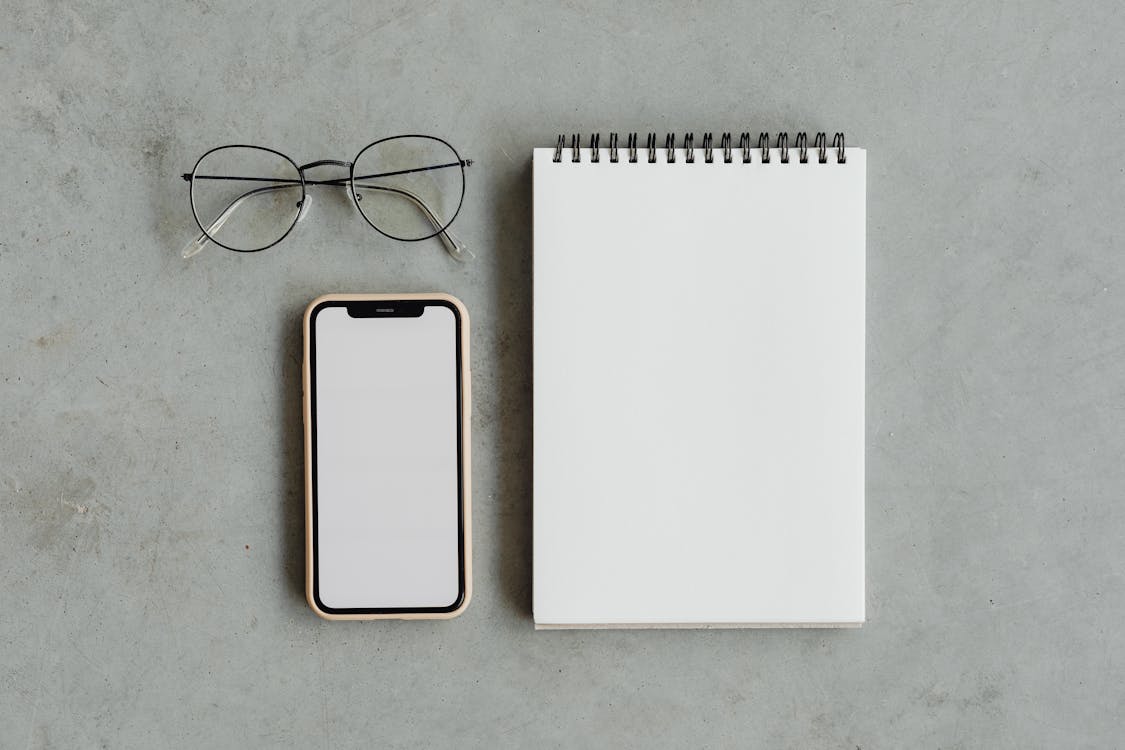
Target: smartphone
(387,496)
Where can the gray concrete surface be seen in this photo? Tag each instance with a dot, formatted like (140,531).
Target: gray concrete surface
(150,462)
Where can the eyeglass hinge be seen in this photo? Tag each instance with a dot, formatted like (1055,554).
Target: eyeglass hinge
(187,176)
(466,162)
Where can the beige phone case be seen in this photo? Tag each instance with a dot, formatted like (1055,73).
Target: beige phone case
(466,442)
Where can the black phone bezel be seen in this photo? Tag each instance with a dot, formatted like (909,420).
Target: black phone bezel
(388,308)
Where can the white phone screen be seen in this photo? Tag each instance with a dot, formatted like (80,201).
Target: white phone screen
(386,413)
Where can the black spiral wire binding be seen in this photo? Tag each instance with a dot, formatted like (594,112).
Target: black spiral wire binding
(800,142)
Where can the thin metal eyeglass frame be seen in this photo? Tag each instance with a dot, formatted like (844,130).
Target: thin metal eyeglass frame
(440,229)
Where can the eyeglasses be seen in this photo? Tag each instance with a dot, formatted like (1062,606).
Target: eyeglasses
(249,198)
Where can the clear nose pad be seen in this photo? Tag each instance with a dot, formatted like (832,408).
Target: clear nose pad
(304,208)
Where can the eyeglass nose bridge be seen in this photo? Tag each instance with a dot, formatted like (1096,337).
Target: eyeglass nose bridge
(305,202)
(325,163)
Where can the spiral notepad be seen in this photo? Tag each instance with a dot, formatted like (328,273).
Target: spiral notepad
(699,381)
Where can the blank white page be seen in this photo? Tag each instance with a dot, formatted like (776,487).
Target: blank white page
(699,391)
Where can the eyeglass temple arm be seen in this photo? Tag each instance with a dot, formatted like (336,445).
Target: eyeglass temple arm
(452,245)
(201,241)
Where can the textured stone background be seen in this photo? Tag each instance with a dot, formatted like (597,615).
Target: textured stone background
(150,461)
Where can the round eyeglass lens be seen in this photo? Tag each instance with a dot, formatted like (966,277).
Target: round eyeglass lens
(246,198)
(409,187)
